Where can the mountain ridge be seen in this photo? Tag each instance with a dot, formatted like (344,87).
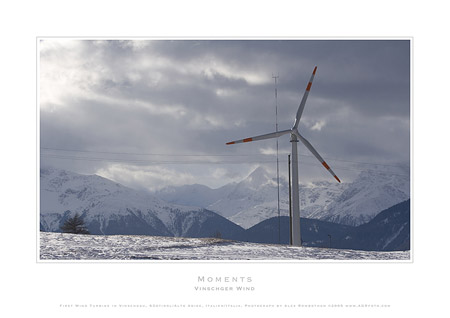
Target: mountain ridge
(110,208)
(247,202)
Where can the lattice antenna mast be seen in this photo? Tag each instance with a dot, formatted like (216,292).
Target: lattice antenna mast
(278,169)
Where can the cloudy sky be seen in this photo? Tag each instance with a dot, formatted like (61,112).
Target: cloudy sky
(151,113)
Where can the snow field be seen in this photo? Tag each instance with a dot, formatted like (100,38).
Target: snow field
(64,246)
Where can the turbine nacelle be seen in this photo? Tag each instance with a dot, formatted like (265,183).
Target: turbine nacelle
(295,135)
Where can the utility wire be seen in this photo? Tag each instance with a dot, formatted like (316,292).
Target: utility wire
(149,161)
(148,154)
(186,162)
(211,155)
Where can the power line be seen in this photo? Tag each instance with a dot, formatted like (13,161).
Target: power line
(149,161)
(211,155)
(194,162)
(151,154)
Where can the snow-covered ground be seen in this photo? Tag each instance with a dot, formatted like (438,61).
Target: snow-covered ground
(63,246)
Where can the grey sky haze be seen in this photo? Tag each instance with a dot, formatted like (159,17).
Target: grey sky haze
(150,113)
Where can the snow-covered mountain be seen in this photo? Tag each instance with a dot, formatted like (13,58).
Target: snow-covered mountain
(110,208)
(372,192)
(254,199)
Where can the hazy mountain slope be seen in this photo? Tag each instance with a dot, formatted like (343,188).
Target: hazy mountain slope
(196,195)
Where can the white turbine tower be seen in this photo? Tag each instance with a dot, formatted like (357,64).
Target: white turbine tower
(295,136)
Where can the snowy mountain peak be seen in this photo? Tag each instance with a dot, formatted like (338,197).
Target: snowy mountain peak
(258,178)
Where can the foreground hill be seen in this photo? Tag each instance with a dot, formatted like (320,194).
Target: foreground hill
(388,231)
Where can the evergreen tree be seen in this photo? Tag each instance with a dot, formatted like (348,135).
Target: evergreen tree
(75,225)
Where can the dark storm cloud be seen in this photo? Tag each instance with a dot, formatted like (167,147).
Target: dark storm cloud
(191,96)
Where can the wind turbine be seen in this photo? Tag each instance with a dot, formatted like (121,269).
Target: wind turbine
(295,137)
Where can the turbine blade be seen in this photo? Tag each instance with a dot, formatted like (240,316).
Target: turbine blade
(303,102)
(316,154)
(261,137)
